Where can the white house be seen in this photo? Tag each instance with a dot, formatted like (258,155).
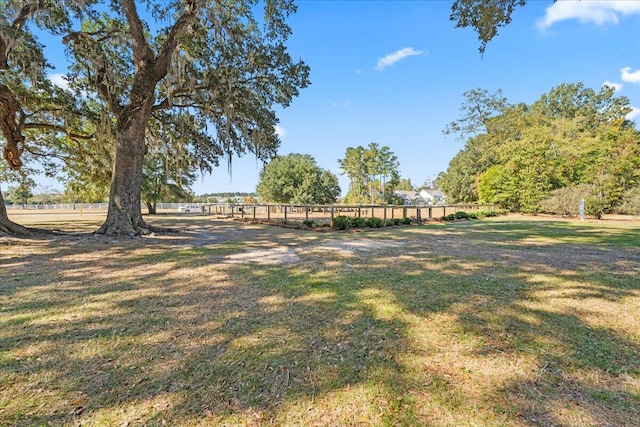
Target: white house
(410,197)
(433,197)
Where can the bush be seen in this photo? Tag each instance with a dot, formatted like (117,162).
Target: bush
(341,222)
(460,215)
(357,222)
(566,201)
(630,202)
(308,222)
(390,223)
(473,215)
(375,222)
(406,221)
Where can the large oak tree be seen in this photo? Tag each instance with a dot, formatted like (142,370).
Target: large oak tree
(218,62)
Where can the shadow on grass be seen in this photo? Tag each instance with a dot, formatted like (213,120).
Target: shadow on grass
(169,333)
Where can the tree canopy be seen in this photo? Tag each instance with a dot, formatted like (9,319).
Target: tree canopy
(570,137)
(297,179)
(485,17)
(372,171)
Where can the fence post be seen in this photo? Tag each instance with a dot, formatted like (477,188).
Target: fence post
(254,212)
(331,216)
(404,212)
(358,211)
(268,213)
(285,213)
(385,214)
(430,212)
(306,213)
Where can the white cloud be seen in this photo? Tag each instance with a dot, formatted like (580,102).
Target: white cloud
(359,72)
(617,87)
(280,131)
(59,80)
(630,76)
(597,12)
(392,58)
(634,114)
(340,104)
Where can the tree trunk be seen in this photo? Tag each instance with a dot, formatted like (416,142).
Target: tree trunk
(8,227)
(124,217)
(151,207)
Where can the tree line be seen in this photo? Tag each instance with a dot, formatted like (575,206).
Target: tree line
(373,174)
(572,143)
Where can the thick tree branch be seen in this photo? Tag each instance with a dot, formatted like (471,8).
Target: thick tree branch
(142,52)
(171,42)
(5,41)
(55,128)
(11,123)
(101,73)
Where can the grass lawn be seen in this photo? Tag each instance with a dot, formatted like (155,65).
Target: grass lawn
(502,322)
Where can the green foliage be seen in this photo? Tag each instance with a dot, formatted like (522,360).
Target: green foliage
(566,200)
(375,222)
(341,222)
(373,174)
(308,222)
(486,18)
(297,179)
(405,185)
(346,222)
(521,153)
(460,215)
(630,202)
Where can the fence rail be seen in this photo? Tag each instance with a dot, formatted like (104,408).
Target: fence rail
(275,212)
(282,212)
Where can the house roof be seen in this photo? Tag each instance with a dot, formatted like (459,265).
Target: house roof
(433,192)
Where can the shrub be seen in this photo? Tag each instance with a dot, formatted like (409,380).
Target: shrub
(341,222)
(406,221)
(460,215)
(390,223)
(630,202)
(308,222)
(374,222)
(357,222)
(397,221)
(566,201)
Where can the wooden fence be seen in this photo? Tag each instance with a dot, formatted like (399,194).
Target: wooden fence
(326,213)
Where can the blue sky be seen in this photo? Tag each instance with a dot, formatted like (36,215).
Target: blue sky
(393,72)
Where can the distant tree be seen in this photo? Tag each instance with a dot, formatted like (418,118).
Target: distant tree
(355,167)
(296,178)
(372,171)
(20,194)
(405,184)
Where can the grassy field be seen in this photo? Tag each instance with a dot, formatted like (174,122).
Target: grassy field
(504,322)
